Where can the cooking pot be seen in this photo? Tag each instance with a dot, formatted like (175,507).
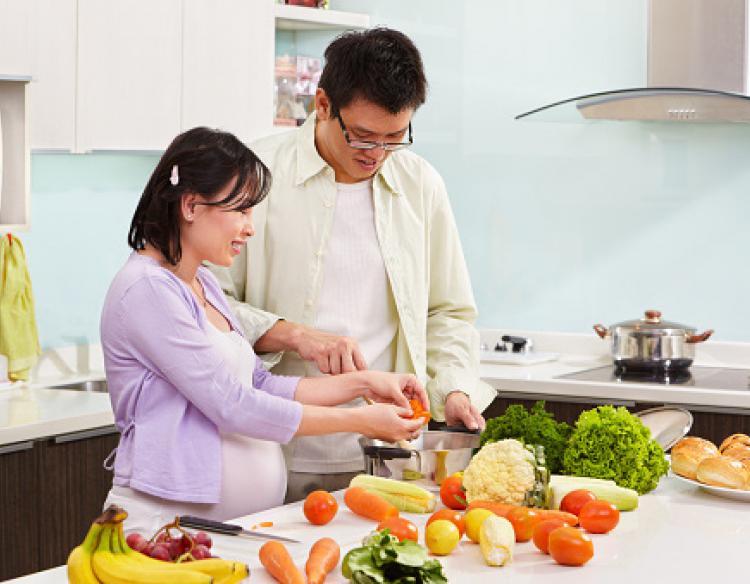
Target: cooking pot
(652,343)
(435,455)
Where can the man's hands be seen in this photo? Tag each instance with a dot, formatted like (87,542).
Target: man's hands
(395,388)
(459,410)
(331,353)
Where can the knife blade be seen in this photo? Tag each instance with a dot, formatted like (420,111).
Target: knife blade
(228,528)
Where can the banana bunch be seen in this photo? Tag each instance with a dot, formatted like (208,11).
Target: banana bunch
(105,558)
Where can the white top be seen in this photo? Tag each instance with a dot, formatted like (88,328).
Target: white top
(354,300)
(679,533)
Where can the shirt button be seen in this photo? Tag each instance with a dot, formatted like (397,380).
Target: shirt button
(319,253)
(308,302)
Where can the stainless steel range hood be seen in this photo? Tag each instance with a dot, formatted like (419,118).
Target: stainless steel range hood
(697,70)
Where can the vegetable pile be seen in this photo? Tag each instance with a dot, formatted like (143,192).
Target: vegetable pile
(382,558)
(537,426)
(611,443)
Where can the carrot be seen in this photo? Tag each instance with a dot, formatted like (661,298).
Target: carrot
(324,557)
(502,509)
(368,504)
(276,559)
(418,411)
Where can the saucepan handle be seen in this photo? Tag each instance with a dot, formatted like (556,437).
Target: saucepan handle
(386,452)
(601,330)
(699,338)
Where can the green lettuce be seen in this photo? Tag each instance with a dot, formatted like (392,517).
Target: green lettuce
(611,443)
(537,426)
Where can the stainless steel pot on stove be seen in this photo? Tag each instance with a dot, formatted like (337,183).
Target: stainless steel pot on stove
(435,455)
(651,343)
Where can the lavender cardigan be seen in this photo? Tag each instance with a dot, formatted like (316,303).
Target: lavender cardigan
(170,391)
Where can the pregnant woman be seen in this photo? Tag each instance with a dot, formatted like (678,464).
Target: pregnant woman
(201,419)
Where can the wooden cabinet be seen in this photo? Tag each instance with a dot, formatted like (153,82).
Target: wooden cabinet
(712,425)
(50,490)
(129,74)
(227,80)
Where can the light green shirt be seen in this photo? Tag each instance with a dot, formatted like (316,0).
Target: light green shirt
(281,271)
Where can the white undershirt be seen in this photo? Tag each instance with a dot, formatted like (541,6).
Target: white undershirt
(354,300)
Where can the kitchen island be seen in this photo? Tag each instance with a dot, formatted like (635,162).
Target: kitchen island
(679,533)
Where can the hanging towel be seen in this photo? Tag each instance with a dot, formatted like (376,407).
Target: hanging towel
(19,340)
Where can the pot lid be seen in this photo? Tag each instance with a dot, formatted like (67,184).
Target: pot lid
(652,322)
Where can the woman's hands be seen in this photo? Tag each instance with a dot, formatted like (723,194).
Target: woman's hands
(387,422)
(394,388)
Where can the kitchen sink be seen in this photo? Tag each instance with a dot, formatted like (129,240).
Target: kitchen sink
(97,385)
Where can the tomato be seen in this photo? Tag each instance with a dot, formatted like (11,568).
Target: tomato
(452,493)
(574,501)
(570,546)
(542,531)
(451,515)
(441,537)
(401,528)
(523,520)
(320,507)
(599,517)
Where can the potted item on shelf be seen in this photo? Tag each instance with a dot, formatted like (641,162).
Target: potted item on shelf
(296,80)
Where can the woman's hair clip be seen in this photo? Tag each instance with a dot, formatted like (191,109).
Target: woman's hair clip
(174,178)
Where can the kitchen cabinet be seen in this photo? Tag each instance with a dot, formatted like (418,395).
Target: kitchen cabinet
(15,159)
(227,80)
(129,75)
(713,425)
(50,490)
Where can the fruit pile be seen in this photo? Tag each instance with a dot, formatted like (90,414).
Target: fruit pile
(104,557)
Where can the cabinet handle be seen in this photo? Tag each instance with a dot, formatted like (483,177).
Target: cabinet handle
(17,447)
(83,435)
(565,398)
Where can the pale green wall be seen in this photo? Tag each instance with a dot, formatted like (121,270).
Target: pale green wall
(563,225)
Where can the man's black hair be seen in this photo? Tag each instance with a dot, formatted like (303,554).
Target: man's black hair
(380,65)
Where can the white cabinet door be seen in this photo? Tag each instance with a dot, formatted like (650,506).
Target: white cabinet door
(129,71)
(228,66)
(16,37)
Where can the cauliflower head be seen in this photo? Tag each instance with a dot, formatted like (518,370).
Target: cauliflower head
(502,471)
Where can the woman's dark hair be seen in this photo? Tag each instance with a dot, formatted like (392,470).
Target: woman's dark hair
(381,65)
(206,161)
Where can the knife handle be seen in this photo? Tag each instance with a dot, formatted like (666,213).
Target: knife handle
(209,525)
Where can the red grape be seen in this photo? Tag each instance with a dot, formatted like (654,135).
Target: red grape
(201,552)
(161,552)
(148,549)
(202,538)
(175,548)
(136,541)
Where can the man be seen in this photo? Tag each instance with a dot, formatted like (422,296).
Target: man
(357,249)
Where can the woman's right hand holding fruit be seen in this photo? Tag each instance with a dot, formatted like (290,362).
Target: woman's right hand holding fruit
(387,422)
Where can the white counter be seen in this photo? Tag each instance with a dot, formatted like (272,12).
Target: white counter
(678,534)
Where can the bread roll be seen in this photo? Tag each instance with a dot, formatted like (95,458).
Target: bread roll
(734,438)
(722,471)
(737,451)
(687,454)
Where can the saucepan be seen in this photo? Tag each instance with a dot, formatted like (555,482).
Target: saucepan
(650,343)
(434,455)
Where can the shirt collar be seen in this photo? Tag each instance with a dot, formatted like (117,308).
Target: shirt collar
(310,163)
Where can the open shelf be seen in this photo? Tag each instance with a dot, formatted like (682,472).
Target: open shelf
(301,18)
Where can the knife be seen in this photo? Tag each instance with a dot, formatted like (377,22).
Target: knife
(227,528)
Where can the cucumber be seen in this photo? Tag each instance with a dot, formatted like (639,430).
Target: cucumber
(622,498)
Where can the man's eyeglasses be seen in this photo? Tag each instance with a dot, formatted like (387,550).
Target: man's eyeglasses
(370,145)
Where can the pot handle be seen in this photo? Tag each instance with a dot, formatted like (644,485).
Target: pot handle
(601,330)
(699,338)
(387,452)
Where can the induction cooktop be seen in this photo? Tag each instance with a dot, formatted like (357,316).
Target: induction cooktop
(699,377)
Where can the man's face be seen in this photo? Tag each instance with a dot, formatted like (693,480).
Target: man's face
(364,122)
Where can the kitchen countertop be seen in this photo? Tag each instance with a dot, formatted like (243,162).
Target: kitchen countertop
(678,534)
(35,411)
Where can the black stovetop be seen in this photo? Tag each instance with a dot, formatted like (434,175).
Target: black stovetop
(699,377)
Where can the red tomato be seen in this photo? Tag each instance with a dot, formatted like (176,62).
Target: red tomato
(574,501)
(599,517)
(320,507)
(401,528)
(542,531)
(570,546)
(523,520)
(452,493)
(451,515)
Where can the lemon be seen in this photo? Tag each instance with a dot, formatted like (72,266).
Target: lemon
(474,520)
(441,537)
